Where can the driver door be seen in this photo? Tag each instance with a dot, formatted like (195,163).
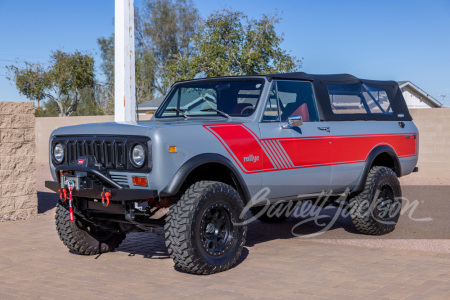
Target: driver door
(301,155)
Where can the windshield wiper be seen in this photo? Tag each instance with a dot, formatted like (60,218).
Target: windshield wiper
(180,111)
(212,108)
(216,110)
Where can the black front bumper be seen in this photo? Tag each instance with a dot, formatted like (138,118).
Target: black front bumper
(118,193)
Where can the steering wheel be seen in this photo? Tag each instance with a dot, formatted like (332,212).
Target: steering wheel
(246,108)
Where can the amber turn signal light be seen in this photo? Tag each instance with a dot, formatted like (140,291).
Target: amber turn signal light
(172,149)
(140,181)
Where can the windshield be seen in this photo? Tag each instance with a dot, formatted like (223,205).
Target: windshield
(224,99)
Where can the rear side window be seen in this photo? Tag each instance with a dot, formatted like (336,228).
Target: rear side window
(377,100)
(358,99)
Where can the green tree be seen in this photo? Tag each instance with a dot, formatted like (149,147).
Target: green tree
(105,89)
(88,105)
(106,46)
(229,43)
(144,73)
(49,109)
(61,83)
(163,29)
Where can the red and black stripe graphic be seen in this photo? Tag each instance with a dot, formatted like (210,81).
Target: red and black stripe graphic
(264,155)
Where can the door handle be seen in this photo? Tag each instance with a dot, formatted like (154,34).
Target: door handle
(327,129)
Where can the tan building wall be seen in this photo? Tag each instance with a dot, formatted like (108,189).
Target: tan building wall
(434,141)
(17,159)
(433,124)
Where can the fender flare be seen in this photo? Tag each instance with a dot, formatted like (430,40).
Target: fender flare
(369,161)
(183,172)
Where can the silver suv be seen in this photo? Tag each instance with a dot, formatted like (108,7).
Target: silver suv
(215,144)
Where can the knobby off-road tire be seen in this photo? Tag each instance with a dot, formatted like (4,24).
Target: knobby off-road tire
(201,231)
(82,239)
(271,215)
(376,209)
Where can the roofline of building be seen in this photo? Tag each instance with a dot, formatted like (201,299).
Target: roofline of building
(415,87)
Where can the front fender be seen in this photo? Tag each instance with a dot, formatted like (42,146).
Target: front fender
(180,176)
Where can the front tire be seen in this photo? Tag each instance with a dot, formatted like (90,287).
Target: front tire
(82,239)
(201,231)
(376,209)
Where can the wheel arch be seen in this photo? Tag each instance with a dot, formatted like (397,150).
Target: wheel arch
(194,170)
(382,155)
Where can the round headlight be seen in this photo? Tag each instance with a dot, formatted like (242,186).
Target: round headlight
(58,153)
(138,156)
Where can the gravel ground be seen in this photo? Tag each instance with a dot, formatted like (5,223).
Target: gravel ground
(20,216)
(431,236)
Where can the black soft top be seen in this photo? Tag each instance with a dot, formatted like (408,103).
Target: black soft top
(321,82)
(328,78)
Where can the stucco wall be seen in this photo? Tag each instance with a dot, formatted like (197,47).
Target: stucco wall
(434,143)
(17,158)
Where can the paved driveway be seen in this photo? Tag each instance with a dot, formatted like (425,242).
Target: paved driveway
(34,264)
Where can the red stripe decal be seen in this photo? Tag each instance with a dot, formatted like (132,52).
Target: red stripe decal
(271,154)
(262,155)
(278,154)
(243,145)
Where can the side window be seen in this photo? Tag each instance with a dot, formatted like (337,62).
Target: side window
(297,99)
(358,99)
(378,100)
(271,111)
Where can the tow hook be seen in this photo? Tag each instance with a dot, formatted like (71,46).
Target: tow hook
(105,198)
(61,192)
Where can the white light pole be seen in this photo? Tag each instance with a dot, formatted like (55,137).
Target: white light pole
(124,73)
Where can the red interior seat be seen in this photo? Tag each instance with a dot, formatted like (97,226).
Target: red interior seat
(302,110)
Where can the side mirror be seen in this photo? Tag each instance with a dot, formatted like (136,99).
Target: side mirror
(293,121)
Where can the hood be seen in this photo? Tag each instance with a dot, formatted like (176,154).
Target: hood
(135,128)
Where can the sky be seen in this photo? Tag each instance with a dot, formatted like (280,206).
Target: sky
(385,40)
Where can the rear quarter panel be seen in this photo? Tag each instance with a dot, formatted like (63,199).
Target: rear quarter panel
(354,140)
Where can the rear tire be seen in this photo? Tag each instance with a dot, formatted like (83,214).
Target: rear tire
(376,209)
(85,240)
(201,232)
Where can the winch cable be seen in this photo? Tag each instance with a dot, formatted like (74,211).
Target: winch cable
(70,203)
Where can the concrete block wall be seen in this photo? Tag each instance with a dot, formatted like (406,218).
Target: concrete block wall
(434,141)
(17,158)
